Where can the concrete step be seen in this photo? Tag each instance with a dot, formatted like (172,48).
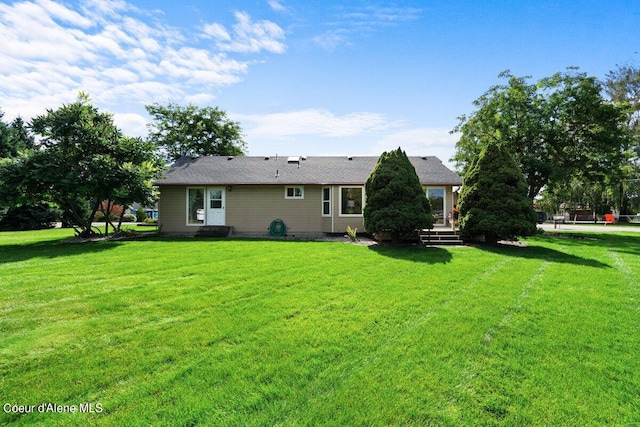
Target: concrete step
(214,231)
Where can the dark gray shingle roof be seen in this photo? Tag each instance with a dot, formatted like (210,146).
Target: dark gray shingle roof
(323,170)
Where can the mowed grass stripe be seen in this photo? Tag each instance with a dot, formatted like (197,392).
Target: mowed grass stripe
(179,332)
(116,281)
(252,309)
(559,355)
(333,375)
(423,363)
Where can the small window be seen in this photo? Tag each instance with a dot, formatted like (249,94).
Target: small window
(326,201)
(215,199)
(294,193)
(351,201)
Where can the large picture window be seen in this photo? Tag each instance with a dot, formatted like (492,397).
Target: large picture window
(351,201)
(195,206)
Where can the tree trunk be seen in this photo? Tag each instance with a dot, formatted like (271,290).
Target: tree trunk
(120,221)
(107,217)
(624,201)
(87,231)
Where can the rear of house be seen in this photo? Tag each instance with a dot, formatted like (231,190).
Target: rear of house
(311,195)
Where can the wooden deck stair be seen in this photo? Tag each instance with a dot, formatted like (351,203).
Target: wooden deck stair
(440,237)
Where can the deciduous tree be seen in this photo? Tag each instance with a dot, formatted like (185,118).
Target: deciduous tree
(622,86)
(557,129)
(84,156)
(193,131)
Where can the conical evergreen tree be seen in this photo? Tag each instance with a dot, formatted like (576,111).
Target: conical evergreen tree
(396,201)
(493,200)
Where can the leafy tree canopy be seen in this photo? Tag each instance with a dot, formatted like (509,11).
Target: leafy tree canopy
(193,131)
(557,129)
(396,201)
(622,85)
(82,155)
(14,137)
(493,200)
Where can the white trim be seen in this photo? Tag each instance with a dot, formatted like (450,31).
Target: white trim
(186,216)
(445,217)
(362,202)
(323,201)
(300,197)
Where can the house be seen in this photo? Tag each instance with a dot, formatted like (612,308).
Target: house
(311,195)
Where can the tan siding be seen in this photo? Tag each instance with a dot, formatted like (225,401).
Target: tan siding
(353,222)
(172,214)
(326,225)
(251,208)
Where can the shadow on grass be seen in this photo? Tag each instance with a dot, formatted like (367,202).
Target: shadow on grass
(430,255)
(53,248)
(617,242)
(629,244)
(545,254)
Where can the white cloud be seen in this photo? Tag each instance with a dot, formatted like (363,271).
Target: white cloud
(216,31)
(321,132)
(373,15)
(248,36)
(199,98)
(314,122)
(333,39)
(131,124)
(111,50)
(350,21)
(277,6)
(61,13)
(419,142)
(101,8)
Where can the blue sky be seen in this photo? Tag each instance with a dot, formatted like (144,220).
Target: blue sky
(303,77)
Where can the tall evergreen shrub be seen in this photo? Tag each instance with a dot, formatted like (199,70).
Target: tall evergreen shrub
(493,201)
(396,201)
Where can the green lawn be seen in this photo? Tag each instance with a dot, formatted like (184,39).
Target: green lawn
(246,332)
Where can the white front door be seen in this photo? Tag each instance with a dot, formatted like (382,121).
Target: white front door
(215,206)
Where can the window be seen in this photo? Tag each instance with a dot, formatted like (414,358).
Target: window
(326,201)
(294,193)
(195,206)
(351,201)
(436,197)
(215,199)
